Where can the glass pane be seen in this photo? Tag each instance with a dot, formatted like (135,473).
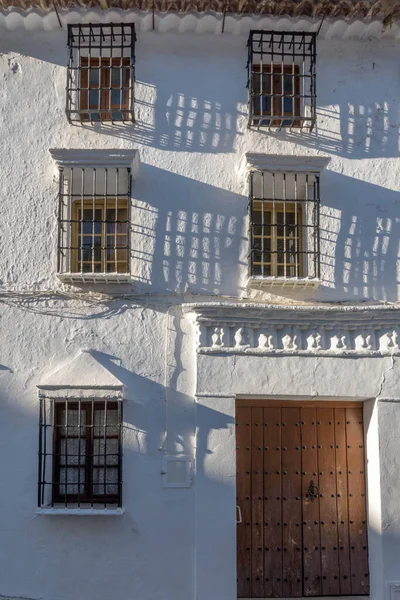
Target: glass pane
(73,422)
(72,480)
(115,98)
(109,485)
(110,446)
(73,451)
(94,96)
(115,76)
(94,77)
(111,427)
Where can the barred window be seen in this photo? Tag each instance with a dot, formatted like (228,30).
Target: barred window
(80,453)
(284,225)
(94,224)
(100,76)
(281,79)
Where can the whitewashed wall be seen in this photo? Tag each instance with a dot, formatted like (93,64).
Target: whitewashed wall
(190,235)
(190,198)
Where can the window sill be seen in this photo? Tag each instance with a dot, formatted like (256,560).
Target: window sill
(283,282)
(94,277)
(81,512)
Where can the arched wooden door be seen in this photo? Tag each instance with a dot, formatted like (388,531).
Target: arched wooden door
(301,498)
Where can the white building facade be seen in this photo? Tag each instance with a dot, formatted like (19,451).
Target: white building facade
(200,285)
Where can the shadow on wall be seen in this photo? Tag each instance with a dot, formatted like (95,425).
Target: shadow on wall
(188,235)
(358,115)
(360,238)
(196,115)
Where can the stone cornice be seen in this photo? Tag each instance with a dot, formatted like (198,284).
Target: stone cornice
(329,331)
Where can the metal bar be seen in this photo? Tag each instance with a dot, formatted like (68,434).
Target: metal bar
(274,246)
(66,456)
(93,217)
(251,224)
(120,440)
(317,206)
(60,219)
(116,221)
(105,454)
(296,229)
(42,476)
(81,219)
(129,218)
(79,452)
(262,223)
(104,241)
(285,240)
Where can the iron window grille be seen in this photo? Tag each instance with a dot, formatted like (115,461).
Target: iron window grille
(80,453)
(281,79)
(101,72)
(94,223)
(284,225)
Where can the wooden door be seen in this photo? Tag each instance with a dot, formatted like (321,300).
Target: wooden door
(301,499)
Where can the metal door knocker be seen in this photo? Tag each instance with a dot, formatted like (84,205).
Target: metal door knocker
(312,491)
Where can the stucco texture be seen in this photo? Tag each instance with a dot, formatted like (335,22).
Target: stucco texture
(189,237)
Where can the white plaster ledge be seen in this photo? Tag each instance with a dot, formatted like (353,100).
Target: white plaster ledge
(81,512)
(66,157)
(285,163)
(261,283)
(94,277)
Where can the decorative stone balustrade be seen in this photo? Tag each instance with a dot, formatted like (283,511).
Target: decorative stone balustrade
(344,331)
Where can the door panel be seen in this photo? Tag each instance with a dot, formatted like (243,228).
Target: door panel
(357,508)
(291,503)
(311,531)
(273,584)
(301,491)
(243,485)
(327,502)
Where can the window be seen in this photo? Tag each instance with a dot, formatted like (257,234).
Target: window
(94,223)
(100,78)
(80,453)
(284,225)
(281,79)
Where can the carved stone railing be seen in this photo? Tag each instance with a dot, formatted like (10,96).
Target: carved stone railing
(338,331)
